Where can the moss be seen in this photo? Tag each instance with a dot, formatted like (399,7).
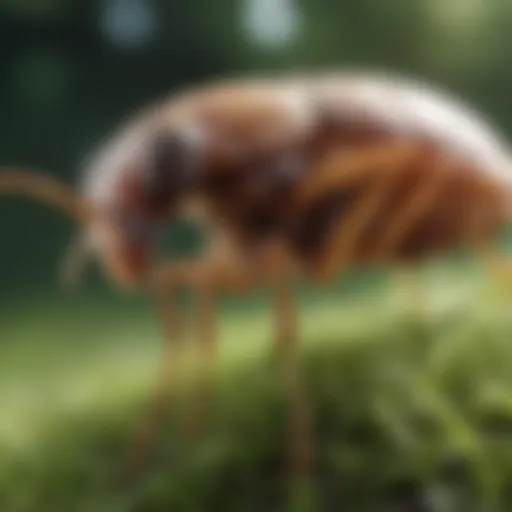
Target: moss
(406,410)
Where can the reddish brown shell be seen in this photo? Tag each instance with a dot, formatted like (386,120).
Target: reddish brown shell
(347,168)
(451,188)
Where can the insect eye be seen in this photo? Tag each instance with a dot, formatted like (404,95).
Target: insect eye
(291,166)
(137,229)
(142,231)
(167,169)
(161,168)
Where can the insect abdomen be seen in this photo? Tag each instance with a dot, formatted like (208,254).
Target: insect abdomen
(428,203)
(452,190)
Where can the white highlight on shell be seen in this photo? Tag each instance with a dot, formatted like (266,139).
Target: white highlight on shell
(299,107)
(413,107)
(107,165)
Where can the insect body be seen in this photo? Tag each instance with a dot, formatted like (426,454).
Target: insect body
(295,161)
(294,176)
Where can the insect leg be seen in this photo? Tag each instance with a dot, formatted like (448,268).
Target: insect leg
(344,242)
(495,261)
(279,269)
(172,351)
(498,265)
(203,276)
(221,269)
(207,336)
(299,417)
(350,166)
(417,206)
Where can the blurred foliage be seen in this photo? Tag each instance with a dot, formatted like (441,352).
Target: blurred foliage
(411,407)
(71,70)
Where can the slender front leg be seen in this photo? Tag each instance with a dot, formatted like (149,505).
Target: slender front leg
(221,269)
(207,336)
(499,266)
(299,422)
(166,280)
(172,351)
(216,271)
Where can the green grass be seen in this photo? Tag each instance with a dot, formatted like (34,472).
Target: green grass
(400,402)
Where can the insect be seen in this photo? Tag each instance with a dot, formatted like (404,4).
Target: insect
(293,176)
